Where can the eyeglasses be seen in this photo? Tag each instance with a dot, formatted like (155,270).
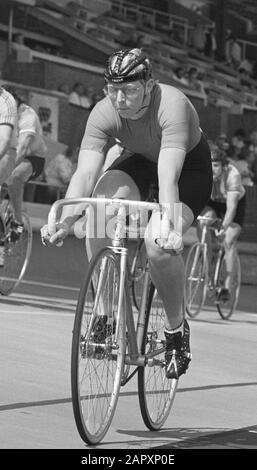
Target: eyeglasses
(130,91)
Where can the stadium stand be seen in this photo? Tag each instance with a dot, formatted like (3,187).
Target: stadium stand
(75,41)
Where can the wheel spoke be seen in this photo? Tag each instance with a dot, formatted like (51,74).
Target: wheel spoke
(97,364)
(226,309)
(156,392)
(196,280)
(16,257)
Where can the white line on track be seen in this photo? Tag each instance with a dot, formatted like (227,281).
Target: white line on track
(37,312)
(213,309)
(53,286)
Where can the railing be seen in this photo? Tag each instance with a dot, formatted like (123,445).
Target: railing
(67,62)
(153,18)
(249,49)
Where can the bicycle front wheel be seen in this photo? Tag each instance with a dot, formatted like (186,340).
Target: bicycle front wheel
(138,273)
(156,392)
(227,308)
(98,348)
(16,257)
(196,274)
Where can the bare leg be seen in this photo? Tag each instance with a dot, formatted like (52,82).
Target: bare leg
(168,271)
(7,165)
(15,184)
(232,234)
(114,183)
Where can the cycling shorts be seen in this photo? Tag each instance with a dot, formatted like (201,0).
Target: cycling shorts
(195,182)
(220,210)
(38,165)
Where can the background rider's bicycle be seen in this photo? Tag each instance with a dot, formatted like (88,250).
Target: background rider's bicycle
(14,253)
(111,340)
(203,279)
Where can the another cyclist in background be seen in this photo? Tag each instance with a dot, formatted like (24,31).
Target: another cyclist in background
(227,202)
(8,118)
(27,157)
(159,128)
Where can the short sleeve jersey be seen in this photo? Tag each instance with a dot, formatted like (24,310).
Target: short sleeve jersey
(170,121)
(8,108)
(230,180)
(28,122)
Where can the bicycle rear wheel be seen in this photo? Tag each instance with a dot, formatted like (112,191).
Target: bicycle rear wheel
(97,357)
(227,308)
(16,257)
(196,275)
(156,392)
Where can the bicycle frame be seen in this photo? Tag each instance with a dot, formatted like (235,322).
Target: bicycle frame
(135,333)
(213,274)
(207,227)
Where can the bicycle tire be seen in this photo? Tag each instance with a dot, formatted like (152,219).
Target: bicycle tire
(196,280)
(137,273)
(226,309)
(16,259)
(96,371)
(156,392)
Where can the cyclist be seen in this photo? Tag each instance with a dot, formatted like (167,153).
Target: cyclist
(27,160)
(159,129)
(227,202)
(8,117)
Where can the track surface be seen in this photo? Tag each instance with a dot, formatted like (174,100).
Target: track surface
(215,406)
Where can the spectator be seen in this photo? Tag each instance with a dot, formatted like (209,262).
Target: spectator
(236,53)
(79,97)
(233,51)
(239,160)
(253,142)
(64,88)
(253,150)
(179,76)
(238,139)
(197,37)
(194,82)
(222,142)
(21,52)
(210,42)
(233,152)
(252,162)
(228,46)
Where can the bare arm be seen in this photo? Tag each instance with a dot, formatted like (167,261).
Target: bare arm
(83,180)
(23,146)
(5,138)
(170,164)
(232,202)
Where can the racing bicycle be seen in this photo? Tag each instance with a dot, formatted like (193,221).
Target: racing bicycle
(111,340)
(204,278)
(14,253)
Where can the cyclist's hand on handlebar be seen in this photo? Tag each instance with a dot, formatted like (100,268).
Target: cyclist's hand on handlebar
(172,243)
(220,233)
(62,230)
